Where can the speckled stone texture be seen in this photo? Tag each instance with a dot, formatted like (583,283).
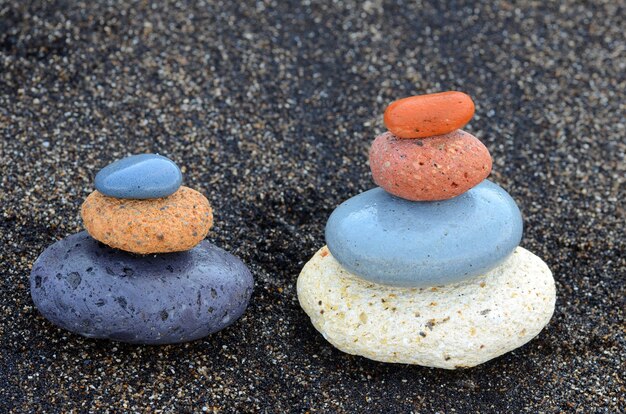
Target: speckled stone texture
(459,325)
(86,287)
(270,108)
(163,225)
(434,168)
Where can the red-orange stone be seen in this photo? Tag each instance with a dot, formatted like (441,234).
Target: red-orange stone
(429,115)
(435,168)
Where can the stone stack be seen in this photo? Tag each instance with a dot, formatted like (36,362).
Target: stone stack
(426,269)
(142,272)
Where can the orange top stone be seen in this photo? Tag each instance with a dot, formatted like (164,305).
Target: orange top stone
(429,115)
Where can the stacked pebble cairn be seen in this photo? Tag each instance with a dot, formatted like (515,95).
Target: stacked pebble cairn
(426,269)
(142,273)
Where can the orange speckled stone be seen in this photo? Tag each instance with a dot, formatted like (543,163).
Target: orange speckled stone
(435,168)
(429,115)
(161,225)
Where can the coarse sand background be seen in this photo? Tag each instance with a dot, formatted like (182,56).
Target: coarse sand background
(269,108)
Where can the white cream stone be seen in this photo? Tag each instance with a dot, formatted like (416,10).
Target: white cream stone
(453,326)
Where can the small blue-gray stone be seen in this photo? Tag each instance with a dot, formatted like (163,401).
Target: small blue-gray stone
(88,288)
(392,241)
(140,177)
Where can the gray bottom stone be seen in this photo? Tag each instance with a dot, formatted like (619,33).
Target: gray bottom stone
(88,288)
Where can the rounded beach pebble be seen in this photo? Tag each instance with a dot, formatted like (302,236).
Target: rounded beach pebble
(142,176)
(428,115)
(88,288)
(454,326)
(386,239)
(435,168)
(162,225)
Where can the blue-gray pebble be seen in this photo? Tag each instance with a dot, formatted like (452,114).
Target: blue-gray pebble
(88,288)
(392,241)
(141,176)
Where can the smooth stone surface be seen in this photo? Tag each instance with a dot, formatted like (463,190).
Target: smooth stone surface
(389,240)
(170,224)
(429,115)
(435,168)
(456,326)
(141,176)
(98,292)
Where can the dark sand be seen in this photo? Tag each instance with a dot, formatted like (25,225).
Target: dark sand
(271,108)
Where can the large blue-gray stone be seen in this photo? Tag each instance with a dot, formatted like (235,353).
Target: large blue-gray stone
(88,288)
(141,176)
(389,240)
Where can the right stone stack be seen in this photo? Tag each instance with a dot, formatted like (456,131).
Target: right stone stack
(426,269)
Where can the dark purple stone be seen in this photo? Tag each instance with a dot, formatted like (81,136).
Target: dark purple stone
(88,288)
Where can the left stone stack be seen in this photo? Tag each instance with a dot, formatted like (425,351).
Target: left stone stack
(142,272)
